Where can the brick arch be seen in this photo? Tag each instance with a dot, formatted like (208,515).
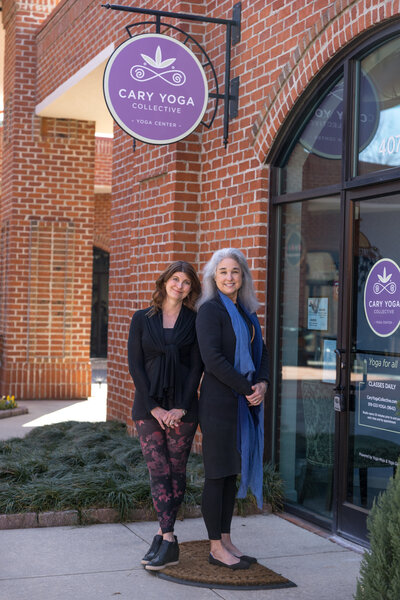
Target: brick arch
(339,25)
(102,242)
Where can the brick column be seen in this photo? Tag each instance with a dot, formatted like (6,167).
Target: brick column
(46,230)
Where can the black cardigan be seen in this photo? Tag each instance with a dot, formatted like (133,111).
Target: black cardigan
(220,386)
(142,350)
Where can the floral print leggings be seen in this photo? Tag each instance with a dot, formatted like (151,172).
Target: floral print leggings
(166,453)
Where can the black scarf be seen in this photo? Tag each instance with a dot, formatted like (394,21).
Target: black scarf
(166,383)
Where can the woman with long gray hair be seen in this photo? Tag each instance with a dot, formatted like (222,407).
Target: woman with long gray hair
(231,398)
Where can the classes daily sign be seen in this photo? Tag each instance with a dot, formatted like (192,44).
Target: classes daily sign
(155,88)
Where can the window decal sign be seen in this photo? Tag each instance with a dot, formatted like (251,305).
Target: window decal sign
(377,399)
(155,88)
(382,297)
(323,133)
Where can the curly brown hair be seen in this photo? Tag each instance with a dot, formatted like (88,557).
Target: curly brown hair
(179,266)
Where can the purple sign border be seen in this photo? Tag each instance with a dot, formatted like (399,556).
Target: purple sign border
(109,102)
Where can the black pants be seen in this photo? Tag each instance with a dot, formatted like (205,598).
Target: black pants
(217,505)
(166,452)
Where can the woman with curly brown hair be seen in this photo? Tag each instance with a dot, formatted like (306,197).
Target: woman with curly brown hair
(165,365)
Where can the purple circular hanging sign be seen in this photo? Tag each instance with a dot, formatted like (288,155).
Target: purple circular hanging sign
(382,297)
(155,88)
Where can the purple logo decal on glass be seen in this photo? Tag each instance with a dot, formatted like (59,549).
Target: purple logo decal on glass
(323,133)
(382,297)
(155,88)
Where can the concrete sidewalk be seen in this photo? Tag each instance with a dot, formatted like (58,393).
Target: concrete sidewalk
(46,412)
(101,562)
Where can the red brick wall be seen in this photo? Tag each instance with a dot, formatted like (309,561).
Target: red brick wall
(102,225)
(47,231)
(103,162)
(190,198)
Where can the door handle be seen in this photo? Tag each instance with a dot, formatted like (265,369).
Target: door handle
(339,357)
(339,403)
(340,354)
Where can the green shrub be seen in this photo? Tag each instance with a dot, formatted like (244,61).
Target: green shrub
(380,568)
(273,487)
(273,493)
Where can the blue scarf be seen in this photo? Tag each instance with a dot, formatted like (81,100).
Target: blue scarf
(250,420)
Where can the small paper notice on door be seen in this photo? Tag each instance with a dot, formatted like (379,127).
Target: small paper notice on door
(318,313)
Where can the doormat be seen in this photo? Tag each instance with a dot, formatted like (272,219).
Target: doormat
(194,569)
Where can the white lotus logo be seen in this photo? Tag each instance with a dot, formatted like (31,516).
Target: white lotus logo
(172,76)
(384,278)
(384,284)
(158,63)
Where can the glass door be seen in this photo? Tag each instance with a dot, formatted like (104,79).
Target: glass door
(369,365)
(307,322)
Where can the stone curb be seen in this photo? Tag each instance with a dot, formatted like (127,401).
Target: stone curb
(18,521)
(13,412)
(92,516)
(58,518)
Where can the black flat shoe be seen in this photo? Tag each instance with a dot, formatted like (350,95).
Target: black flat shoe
(249,559)
(168,555)
(242,564)
(153,550)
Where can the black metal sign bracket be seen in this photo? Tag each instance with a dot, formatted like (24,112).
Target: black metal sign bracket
(230,96)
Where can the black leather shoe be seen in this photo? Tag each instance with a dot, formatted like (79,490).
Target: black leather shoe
(249,559)
(153,550)
(168,555)
(242,564)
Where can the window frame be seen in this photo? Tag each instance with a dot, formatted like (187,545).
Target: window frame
(347,63)
(344,63)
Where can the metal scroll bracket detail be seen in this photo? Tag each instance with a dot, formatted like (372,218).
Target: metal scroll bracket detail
(230,96)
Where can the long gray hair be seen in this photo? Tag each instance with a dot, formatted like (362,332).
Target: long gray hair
(246,294)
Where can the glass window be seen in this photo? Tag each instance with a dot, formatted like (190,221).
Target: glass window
(307,366)
(316,158)
(379,109)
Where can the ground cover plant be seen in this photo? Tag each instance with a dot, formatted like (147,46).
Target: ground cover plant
(79,465)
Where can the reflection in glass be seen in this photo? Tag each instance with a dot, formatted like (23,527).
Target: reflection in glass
(316,158)
(308,324)
(379,109)
(374,425)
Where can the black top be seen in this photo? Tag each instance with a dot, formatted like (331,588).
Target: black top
(219,389)
(165,364)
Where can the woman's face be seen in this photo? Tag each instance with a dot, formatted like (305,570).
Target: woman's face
(228,278)
(178,286)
